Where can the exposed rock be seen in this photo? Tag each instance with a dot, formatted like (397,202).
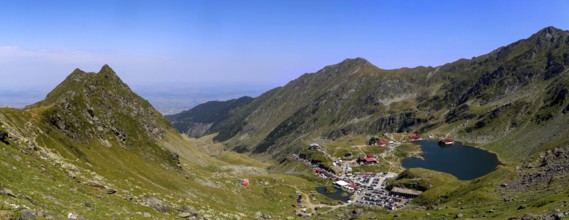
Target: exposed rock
(188,209)
(72,215)
(27,215)
(158,204)
(552,164)
(147,215)
(459,215)
(529,217)
(185,215)
(8,192)
(110,191)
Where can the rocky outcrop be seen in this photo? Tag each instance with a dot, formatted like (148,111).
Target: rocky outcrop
(544,168)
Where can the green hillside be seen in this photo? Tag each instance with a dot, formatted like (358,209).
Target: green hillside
(493,101)
(93,149)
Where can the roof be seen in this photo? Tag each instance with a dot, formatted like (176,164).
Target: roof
(370,159)
(341,183)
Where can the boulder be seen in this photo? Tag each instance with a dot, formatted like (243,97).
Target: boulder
(110,191)
(27,215)
(158,204)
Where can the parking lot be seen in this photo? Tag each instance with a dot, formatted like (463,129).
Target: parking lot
(372,192)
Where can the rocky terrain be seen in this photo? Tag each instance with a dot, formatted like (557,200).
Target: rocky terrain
(542,169)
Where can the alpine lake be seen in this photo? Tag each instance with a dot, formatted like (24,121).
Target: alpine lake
(462,161)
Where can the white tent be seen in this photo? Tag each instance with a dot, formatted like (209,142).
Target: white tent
(341,183)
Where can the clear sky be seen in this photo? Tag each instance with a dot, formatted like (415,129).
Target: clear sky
(251,42)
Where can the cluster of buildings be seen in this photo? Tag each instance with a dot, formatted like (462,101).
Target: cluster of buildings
(368,188)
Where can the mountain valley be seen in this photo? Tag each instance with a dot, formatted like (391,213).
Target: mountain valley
(93,149)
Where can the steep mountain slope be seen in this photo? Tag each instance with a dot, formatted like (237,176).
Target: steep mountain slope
(94,149)
(205,118)
(493,100)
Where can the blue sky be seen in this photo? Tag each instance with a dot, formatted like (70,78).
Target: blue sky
(251,43)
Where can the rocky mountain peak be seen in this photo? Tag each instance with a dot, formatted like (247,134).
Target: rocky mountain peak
(94,103)
(550,34)
(348,67)
(108,73)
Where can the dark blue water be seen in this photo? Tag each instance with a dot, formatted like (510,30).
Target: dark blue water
(337,195)
(464,162)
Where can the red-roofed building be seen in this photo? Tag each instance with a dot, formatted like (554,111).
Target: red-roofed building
(369,159)
(381,143)
(353,186)
(414,136)
(447,141)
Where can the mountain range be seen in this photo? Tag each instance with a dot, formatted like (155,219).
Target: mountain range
(493,101)
(93,149)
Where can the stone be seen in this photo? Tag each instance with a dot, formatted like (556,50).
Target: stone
(459,215)
(8,192)
(72,215)
(147,215)
(184,215)
(27,215)
(110,191)
(158,204)
(528,217)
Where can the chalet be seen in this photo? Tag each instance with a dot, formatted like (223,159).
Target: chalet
(414,136)
(446,141)
(381,143)
(367,159)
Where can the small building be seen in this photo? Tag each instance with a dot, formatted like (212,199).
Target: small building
(381,143)
(414,136)
(446,141)
(368,159)
(341,183)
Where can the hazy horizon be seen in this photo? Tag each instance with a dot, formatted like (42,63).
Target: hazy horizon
(256,44)
(166,98)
